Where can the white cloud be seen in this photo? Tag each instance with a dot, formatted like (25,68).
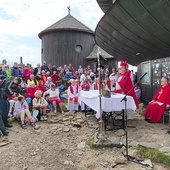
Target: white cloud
(22,20)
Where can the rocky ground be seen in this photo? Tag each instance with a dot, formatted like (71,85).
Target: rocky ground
(63,143)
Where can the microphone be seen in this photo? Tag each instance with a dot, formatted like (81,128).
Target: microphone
(141,77)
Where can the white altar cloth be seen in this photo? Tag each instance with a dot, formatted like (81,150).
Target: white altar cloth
(91,99)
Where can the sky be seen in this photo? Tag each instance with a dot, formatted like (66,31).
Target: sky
(22,20)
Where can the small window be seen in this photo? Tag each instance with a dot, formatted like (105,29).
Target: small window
(78,48)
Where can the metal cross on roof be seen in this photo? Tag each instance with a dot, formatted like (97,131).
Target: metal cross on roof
(68,10)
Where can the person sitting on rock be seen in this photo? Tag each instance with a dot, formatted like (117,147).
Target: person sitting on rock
(32,79)
(39,103)
(54,98)
(21,112)
(29,95)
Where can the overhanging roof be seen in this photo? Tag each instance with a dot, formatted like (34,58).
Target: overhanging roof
(105,4)
(104,54)
(135,30)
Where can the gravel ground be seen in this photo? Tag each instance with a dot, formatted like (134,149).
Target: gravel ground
(62,143)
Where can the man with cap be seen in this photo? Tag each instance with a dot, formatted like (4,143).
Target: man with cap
(124,83)
(7,88)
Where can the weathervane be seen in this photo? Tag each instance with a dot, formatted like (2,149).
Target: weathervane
(68,10)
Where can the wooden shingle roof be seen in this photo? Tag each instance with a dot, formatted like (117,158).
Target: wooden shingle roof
(67,23)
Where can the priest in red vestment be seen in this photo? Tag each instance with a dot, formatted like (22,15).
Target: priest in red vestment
(124,83)
(157,106)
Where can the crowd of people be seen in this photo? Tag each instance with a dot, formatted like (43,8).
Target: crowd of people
(28,92)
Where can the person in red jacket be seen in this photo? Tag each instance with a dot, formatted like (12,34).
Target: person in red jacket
(29,94)
(155,109)
(124,83)
(41,86)
(54,77)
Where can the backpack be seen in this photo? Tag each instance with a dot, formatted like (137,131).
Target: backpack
(4,91)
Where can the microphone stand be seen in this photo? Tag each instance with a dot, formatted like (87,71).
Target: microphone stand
(128,157)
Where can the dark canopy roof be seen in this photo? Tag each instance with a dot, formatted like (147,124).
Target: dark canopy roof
(66,23)
(105,4)
(135,30)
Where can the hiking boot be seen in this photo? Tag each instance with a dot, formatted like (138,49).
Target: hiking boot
(8,125)
(4,132)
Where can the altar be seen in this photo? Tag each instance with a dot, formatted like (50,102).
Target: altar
(112,104)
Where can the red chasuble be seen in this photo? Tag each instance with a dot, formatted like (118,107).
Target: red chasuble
(125,83)
(154,111)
